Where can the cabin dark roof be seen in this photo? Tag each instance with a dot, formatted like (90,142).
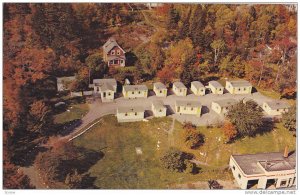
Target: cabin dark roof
(240,83)
(197,84)
(179,85)
(276,104)
(226,102)
(124,109)
(135,87)
(273,161)
(188,103)
(216,84)
(111,43)
(159,85)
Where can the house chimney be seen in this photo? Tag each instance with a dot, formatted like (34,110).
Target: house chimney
(286,152)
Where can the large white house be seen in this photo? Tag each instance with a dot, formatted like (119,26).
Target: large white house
(106,88)
(160,89)
(238,87)
(264,170)
(276,107)
(179,88)
(197,88)
(130,114)
(188,107)
(135,91)
(215,87)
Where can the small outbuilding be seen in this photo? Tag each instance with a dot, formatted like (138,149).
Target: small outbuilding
(188,107)
(198,88)
(106,88)
(215,87)
(179,88)
(63,83)
(160,89)
(275,107)
(222,106)
(135,91)
(239,87)
(130,114)
(159,109)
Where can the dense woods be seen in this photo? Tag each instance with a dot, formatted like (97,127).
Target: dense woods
(189,42)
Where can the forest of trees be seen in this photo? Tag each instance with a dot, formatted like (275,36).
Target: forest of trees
(194,42)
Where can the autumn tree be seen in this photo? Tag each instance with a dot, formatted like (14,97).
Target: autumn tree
(229,131)
(176,160)
(192,138)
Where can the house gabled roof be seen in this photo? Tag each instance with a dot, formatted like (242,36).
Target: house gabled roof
(240,83)
(135,87)
(111,43)
(197,84)
(276,104)
(105,84)
(159,85)
(125,109)
(179,85)
(226,102)
(188,103)
(216,84)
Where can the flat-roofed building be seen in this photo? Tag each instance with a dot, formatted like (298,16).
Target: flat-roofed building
(222,106)
(239,87)
(188,107)
(135,91)
(106,88)
(215,87)
(179,88)
(276,107)
(197,88)
(130,114)
(160,89)
(264,170)
(158,108)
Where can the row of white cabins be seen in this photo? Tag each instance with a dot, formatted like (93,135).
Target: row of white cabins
(106,89)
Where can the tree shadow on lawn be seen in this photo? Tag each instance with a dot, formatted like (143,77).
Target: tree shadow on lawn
(67,127)
(26,157)
(82,164)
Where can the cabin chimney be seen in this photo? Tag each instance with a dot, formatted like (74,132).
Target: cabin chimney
(286,152)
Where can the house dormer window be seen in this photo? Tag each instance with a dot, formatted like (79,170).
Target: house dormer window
(112,52)
(118,52)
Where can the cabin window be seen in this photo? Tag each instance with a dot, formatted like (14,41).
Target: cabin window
(160,91)
(118,52)
(244,89)
(113,52)
(126,114)
(139,92)
(283,183)
(192,108)
(122,61)
(277,110)
(239,89)
(132,92)
(184,108)
(135,113)
(239,175)
(108,93)
(294,180)
(220,89)
(111,62)
(233,167)
(226,108)
(97,88)
(116,61)
(180,90)
(160,110)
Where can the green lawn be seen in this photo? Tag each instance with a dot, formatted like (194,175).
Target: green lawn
(76,112)
(122,168)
